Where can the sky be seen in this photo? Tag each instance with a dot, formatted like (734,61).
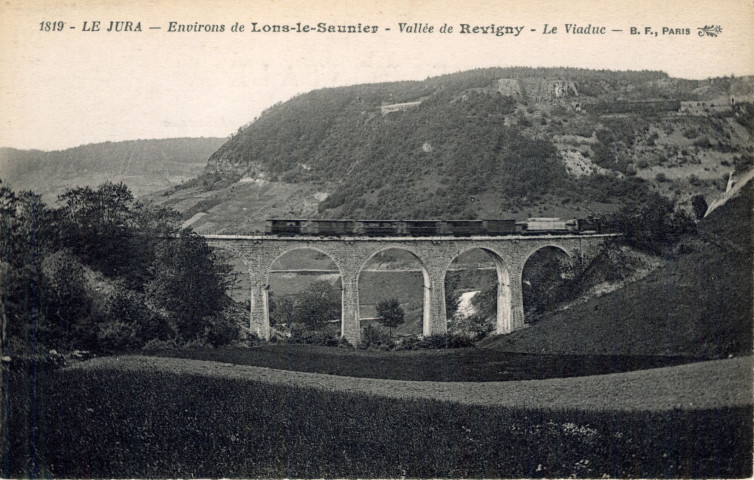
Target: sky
(60,89)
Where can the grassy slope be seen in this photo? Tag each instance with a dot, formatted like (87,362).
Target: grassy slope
(714,384)
(168,418)
(451,365)
(698,304)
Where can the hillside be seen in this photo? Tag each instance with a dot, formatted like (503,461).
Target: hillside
(698,304)
(144,165)
(503,142)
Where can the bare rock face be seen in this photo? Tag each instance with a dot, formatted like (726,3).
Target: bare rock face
(509,87)
(537,89)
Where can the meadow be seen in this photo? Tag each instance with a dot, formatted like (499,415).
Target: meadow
(442,365)
(171,418)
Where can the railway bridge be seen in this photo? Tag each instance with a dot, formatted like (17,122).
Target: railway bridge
(435,255)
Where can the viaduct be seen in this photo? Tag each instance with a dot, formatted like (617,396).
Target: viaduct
(435,254)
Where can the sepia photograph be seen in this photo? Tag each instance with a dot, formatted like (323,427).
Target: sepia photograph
(389,239)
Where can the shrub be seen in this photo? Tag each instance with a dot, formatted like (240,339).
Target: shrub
(115,337)
(302,334)
(372,337)
(476,326)
(438,341)
(156,345)
(221,330)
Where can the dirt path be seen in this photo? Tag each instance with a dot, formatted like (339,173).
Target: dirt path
(718,383)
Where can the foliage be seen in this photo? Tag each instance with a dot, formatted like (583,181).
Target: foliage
(546,280)
(437,341)
(130,323)
(52,260)
(699,204)
(281,310)
(744,114)
(390,313)
(652,224)
(187,282)
(300,334)
(68,323)
(475,326)
(452,297)
(314,308)
(112,232)
(373,338)
(481,323)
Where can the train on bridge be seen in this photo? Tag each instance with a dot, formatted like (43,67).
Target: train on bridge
(429,228)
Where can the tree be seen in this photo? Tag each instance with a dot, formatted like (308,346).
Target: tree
(390,313)
(452,298)
(281,310)
(27,233)
(96,225)
(68,322)
(700,206)
(318,305)
(189,282)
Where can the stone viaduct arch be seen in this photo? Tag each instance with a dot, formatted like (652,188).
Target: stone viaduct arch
(427,300)
(503,322)
(266,292)
(435,254)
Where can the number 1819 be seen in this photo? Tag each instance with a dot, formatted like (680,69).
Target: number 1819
(51,26)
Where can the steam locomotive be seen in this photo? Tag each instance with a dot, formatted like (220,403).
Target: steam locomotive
(428,228)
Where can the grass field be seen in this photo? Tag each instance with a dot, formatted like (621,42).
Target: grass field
(452,365)
(171,418)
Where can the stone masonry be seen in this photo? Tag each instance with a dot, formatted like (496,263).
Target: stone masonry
(435,254)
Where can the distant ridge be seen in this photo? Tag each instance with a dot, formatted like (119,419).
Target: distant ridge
(144,165)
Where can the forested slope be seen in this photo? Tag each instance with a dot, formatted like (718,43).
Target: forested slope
(488,143)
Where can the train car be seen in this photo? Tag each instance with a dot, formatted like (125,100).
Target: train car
(499,227)
(378,228)
(464,228)
(550,225)
(427,228)
(589,225)
(334,228)
(284,227)
(420,228)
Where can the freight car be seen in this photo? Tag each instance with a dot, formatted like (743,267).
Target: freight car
(548,225)
(284,226)
(428,228)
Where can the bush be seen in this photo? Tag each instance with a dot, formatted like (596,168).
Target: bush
(371,337)
(302,334)
(221,330)
(38,361)
(116,337)
(156,345)
(436,342)
(476,326)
